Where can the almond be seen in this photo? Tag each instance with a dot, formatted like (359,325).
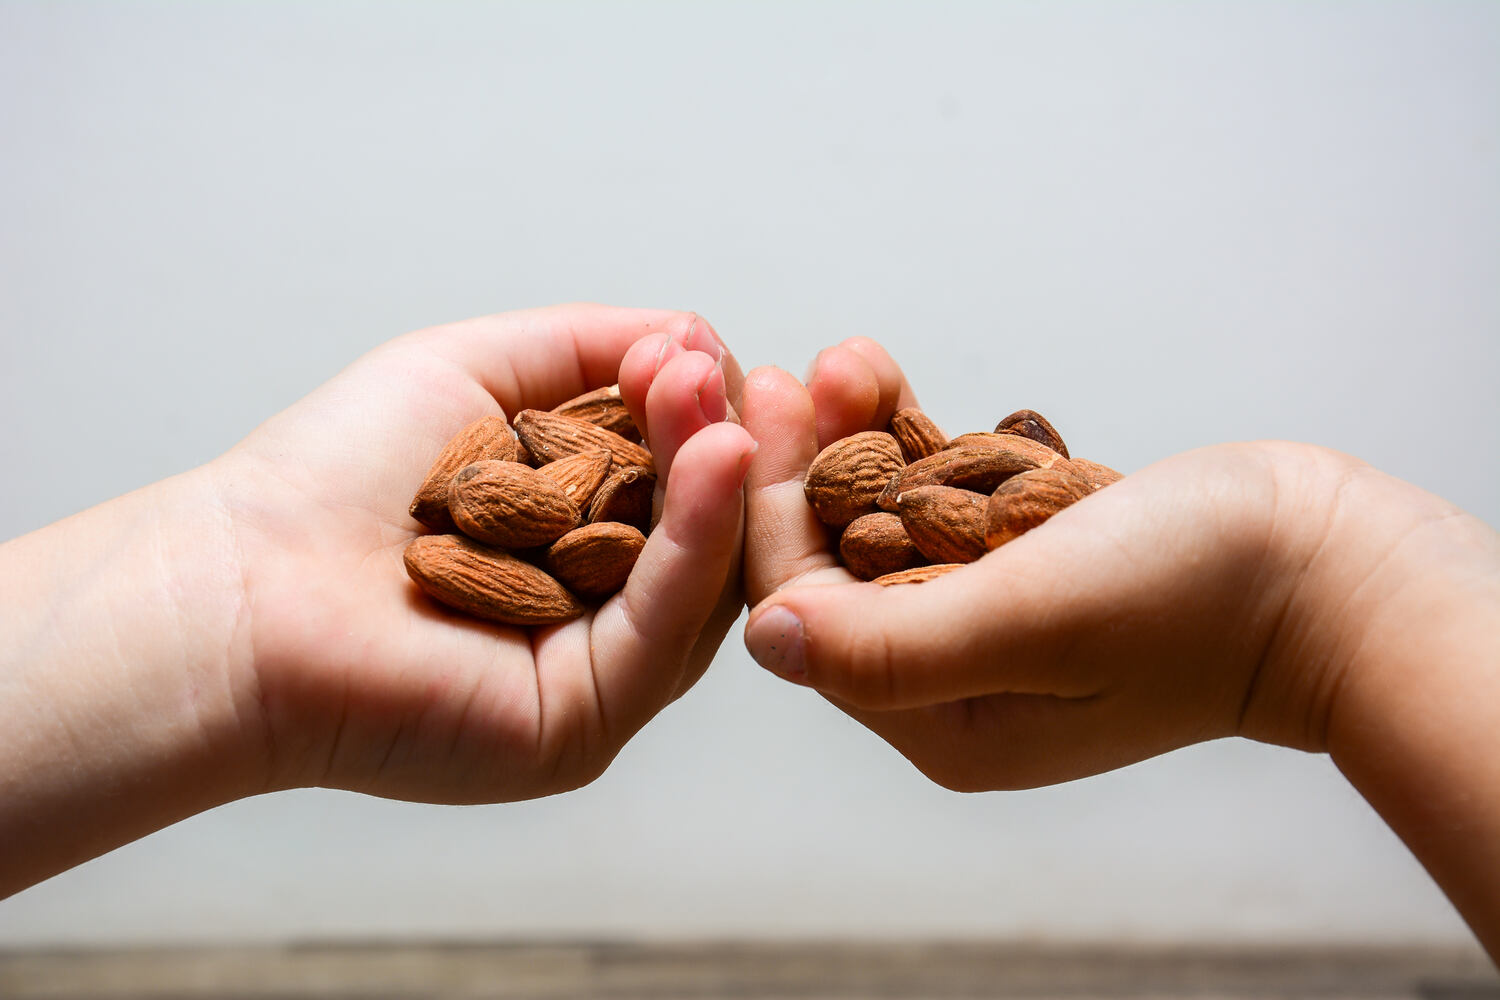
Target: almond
(917,434)
(486,582)
(488,438)
(580,475)
(594,561)
(602,408)
(510,505)
(626,497)
(1031,424)
(550,436)
(978,467)
(877,544)
(845,479)
(945,523)
(1098,476)
(1026,500)
(918,574)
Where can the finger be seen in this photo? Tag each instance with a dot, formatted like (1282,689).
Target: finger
(856,386)
(686,396)
(701,336)
(643,638)
(538,358)
(895,392)
(638,369)
(784,542)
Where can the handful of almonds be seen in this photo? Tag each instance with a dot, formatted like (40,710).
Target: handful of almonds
(535,518)
(911,504)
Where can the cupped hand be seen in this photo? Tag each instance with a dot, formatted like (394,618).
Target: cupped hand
(1152,614)
(347,676)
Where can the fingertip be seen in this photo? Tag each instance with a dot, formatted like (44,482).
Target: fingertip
(845,392)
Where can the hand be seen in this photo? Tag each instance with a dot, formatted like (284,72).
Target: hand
(1276,591)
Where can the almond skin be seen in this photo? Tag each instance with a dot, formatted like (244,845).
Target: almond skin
(919,574)
(550,436)
(602,408)
(625,497)
(1031,424)
(845,479)
(978,467)
(917,434)
(510,505)
(945,523)
(1026,500)
(877,544)
(595,560)
(1098,476)
(580,475)
(487,583)
(488,438)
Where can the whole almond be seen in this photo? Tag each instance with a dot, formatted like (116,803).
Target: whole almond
(602,408)
(917,434)
(1031,424)
(877,544)
(488,438)
(487,583)
(1098,476)
(580,475)
(550,436)
(594,561)
(510,505)
(1026,500)
(845,479)
(978,467)
(918,574)
(945,523)
(625,497)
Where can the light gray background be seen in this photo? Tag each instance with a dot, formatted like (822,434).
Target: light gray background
(1164,225)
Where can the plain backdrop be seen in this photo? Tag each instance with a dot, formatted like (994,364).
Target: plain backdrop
(1162,224)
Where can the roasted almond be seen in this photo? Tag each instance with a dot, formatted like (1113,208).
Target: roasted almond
(487,583)
(917,574)
(945,523)
(1031,424)
(978,467)
(625,497)
(917,434)
(602,408)
(1028,499)
(1098,476)
(550,436)
(510,505)
(594,561)
(845,479)
(580,475)
(488,438)
(877,544)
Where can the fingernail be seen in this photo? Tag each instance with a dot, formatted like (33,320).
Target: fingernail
(689,333)
(775,639)
(746,459)
(669,350)
(711,398)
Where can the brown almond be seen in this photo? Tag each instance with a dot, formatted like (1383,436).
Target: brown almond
(972,467)
(594,561)
(945,523)
(1028,499)
(625,497)
(510,505)
(1098,476)
(918,574)
(580,475)
(1031,424)
(550,436)
(602,408)
(877,544)
(488,438)
(488,583)
(917,434)
(845,479)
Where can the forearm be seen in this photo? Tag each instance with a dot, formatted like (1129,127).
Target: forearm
(117,627)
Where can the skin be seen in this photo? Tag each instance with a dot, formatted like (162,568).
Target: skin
(248,626)
(1275,591)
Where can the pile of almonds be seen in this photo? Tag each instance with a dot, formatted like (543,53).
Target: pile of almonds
(911,505)
(538,518)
